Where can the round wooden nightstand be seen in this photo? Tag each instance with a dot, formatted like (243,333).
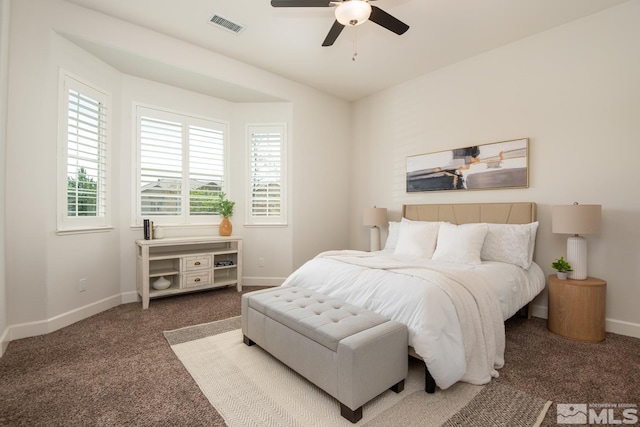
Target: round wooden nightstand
(577,308)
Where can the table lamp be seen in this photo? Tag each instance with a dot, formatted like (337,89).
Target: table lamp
(576,219)
(376,218)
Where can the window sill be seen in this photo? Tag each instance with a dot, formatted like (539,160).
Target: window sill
(83,230)
(266,225)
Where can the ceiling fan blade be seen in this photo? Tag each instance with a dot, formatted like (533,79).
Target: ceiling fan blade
(334,32)
(300,3)
(387,21)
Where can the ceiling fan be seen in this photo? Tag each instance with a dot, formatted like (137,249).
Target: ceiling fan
(349,13)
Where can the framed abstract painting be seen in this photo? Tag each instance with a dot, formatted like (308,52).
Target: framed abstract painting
(480,167)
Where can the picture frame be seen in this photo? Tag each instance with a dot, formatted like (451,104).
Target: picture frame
(496,165)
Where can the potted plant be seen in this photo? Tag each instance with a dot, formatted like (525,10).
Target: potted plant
(224,207)
(562,266)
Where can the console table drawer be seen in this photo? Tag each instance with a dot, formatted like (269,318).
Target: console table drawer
(193,280)
(200,262)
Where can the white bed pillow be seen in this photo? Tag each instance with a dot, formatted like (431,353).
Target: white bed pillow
(394,228)
(392,237)
(460,243)
(410,220)
(533,228)
(507,243)
(417,238)
(510,243)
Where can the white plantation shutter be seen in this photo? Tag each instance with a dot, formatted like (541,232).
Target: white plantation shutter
(206,167)
(84,153)
(160,167)
(181,166)
(266,174)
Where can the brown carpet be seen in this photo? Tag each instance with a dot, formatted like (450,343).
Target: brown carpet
(547,365)
(116,368)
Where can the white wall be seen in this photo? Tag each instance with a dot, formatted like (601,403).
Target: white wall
(42,267)
(4,68)
(575,92)
(268,243)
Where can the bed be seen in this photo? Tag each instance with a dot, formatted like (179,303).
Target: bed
(453,273)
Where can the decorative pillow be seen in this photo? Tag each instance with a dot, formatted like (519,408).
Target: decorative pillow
(533,228)
(460,243)
(417,238)
(507,243)
(417,220)
(392,237)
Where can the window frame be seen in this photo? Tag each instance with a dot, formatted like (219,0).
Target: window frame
(79,224)
(269,221)
(185,219)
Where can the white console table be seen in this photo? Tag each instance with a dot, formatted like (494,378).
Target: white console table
(189,263)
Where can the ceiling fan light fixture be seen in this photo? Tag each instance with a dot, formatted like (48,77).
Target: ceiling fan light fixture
(353,12)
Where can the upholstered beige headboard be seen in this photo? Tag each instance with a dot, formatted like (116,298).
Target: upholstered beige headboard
(463,213)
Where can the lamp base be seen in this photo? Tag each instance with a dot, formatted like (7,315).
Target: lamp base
(577,257)
(375,238)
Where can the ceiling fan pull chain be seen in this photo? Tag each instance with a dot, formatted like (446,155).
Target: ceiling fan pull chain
(355,44)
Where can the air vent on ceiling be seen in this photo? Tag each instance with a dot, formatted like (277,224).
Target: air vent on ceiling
(226,24)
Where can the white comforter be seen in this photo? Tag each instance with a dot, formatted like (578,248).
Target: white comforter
(454,312)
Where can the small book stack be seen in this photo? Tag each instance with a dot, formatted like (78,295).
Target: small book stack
(148,229)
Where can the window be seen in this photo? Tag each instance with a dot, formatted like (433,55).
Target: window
(267,174)
(83,187)
(181,167)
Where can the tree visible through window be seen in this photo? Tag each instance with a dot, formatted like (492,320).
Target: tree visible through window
(81,194)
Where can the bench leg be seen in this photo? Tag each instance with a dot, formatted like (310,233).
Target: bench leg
(429,382)
(247,341)
(351,415)
(397,388)
(355,416)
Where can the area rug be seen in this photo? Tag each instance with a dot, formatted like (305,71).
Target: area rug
(248,387)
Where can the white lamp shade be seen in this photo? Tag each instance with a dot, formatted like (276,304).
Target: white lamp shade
(576,219)
(353,12)
(376,217)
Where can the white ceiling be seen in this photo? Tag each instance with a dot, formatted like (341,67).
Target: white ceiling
(287,41)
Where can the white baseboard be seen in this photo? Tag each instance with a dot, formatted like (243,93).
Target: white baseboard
(128,297)
(263,281)
(32,329)
(4,341)
(540,311)
(623,328)
(611,325)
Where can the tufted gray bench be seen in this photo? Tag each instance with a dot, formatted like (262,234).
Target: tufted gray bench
(351,353)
